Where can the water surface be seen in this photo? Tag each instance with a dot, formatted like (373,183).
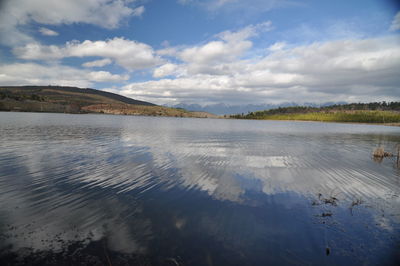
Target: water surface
(124,190)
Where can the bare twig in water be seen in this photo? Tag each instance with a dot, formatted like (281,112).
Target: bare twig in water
(174,261)
(314,202)
(105,252)
(321,200)
(331,200)
(354,203)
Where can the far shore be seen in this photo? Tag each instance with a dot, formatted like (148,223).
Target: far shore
(210,117)
(339,122)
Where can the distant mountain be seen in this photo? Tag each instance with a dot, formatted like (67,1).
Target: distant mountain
(224,109)
(58,99)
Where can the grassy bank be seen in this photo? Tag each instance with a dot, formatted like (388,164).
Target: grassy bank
(361,116)
(130,109)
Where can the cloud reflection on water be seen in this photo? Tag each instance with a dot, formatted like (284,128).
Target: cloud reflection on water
(141,181)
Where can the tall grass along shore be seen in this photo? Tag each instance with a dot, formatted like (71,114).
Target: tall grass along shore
(356,113)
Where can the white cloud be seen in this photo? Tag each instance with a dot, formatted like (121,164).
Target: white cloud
(225,69)
(395,23)
(129,54)
(345,70)
(104,76)
(246,32)
(168,51)
(215,51)
(98,63)
(47,32)
(38,74)
(227,48)
(138,12)
(277,46)
(37,51)
(165,70)
(103,13)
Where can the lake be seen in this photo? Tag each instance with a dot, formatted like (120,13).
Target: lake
(126,190)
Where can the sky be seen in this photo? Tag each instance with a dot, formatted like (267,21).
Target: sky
(206,51)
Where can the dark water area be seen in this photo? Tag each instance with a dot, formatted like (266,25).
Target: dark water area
(124,190)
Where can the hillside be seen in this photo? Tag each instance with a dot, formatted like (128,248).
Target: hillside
(356,112)
(57,99)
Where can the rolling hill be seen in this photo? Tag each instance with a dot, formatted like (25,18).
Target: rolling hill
(59,99)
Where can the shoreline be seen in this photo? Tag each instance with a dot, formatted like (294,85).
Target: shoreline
(110,114)
(217,117)
(339,122)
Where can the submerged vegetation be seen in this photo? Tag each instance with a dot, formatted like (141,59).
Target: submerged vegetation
(379,154)
(357,112)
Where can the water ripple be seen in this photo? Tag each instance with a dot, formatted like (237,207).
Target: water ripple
(123,179)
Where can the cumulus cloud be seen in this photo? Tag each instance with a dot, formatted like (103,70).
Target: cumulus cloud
(347,70)
(165,70)
(47,32)
(98,63)
(14,14)
(37,51)
(214,51)
(395,23)
(225,69)
(129,54)
(38,74)
(104,76)
(168,51)
(228,47)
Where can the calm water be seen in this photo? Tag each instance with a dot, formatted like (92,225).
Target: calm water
(123,190)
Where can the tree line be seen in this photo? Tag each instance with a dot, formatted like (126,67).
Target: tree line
(373,106)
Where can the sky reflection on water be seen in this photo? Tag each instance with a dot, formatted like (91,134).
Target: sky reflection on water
(196,191)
